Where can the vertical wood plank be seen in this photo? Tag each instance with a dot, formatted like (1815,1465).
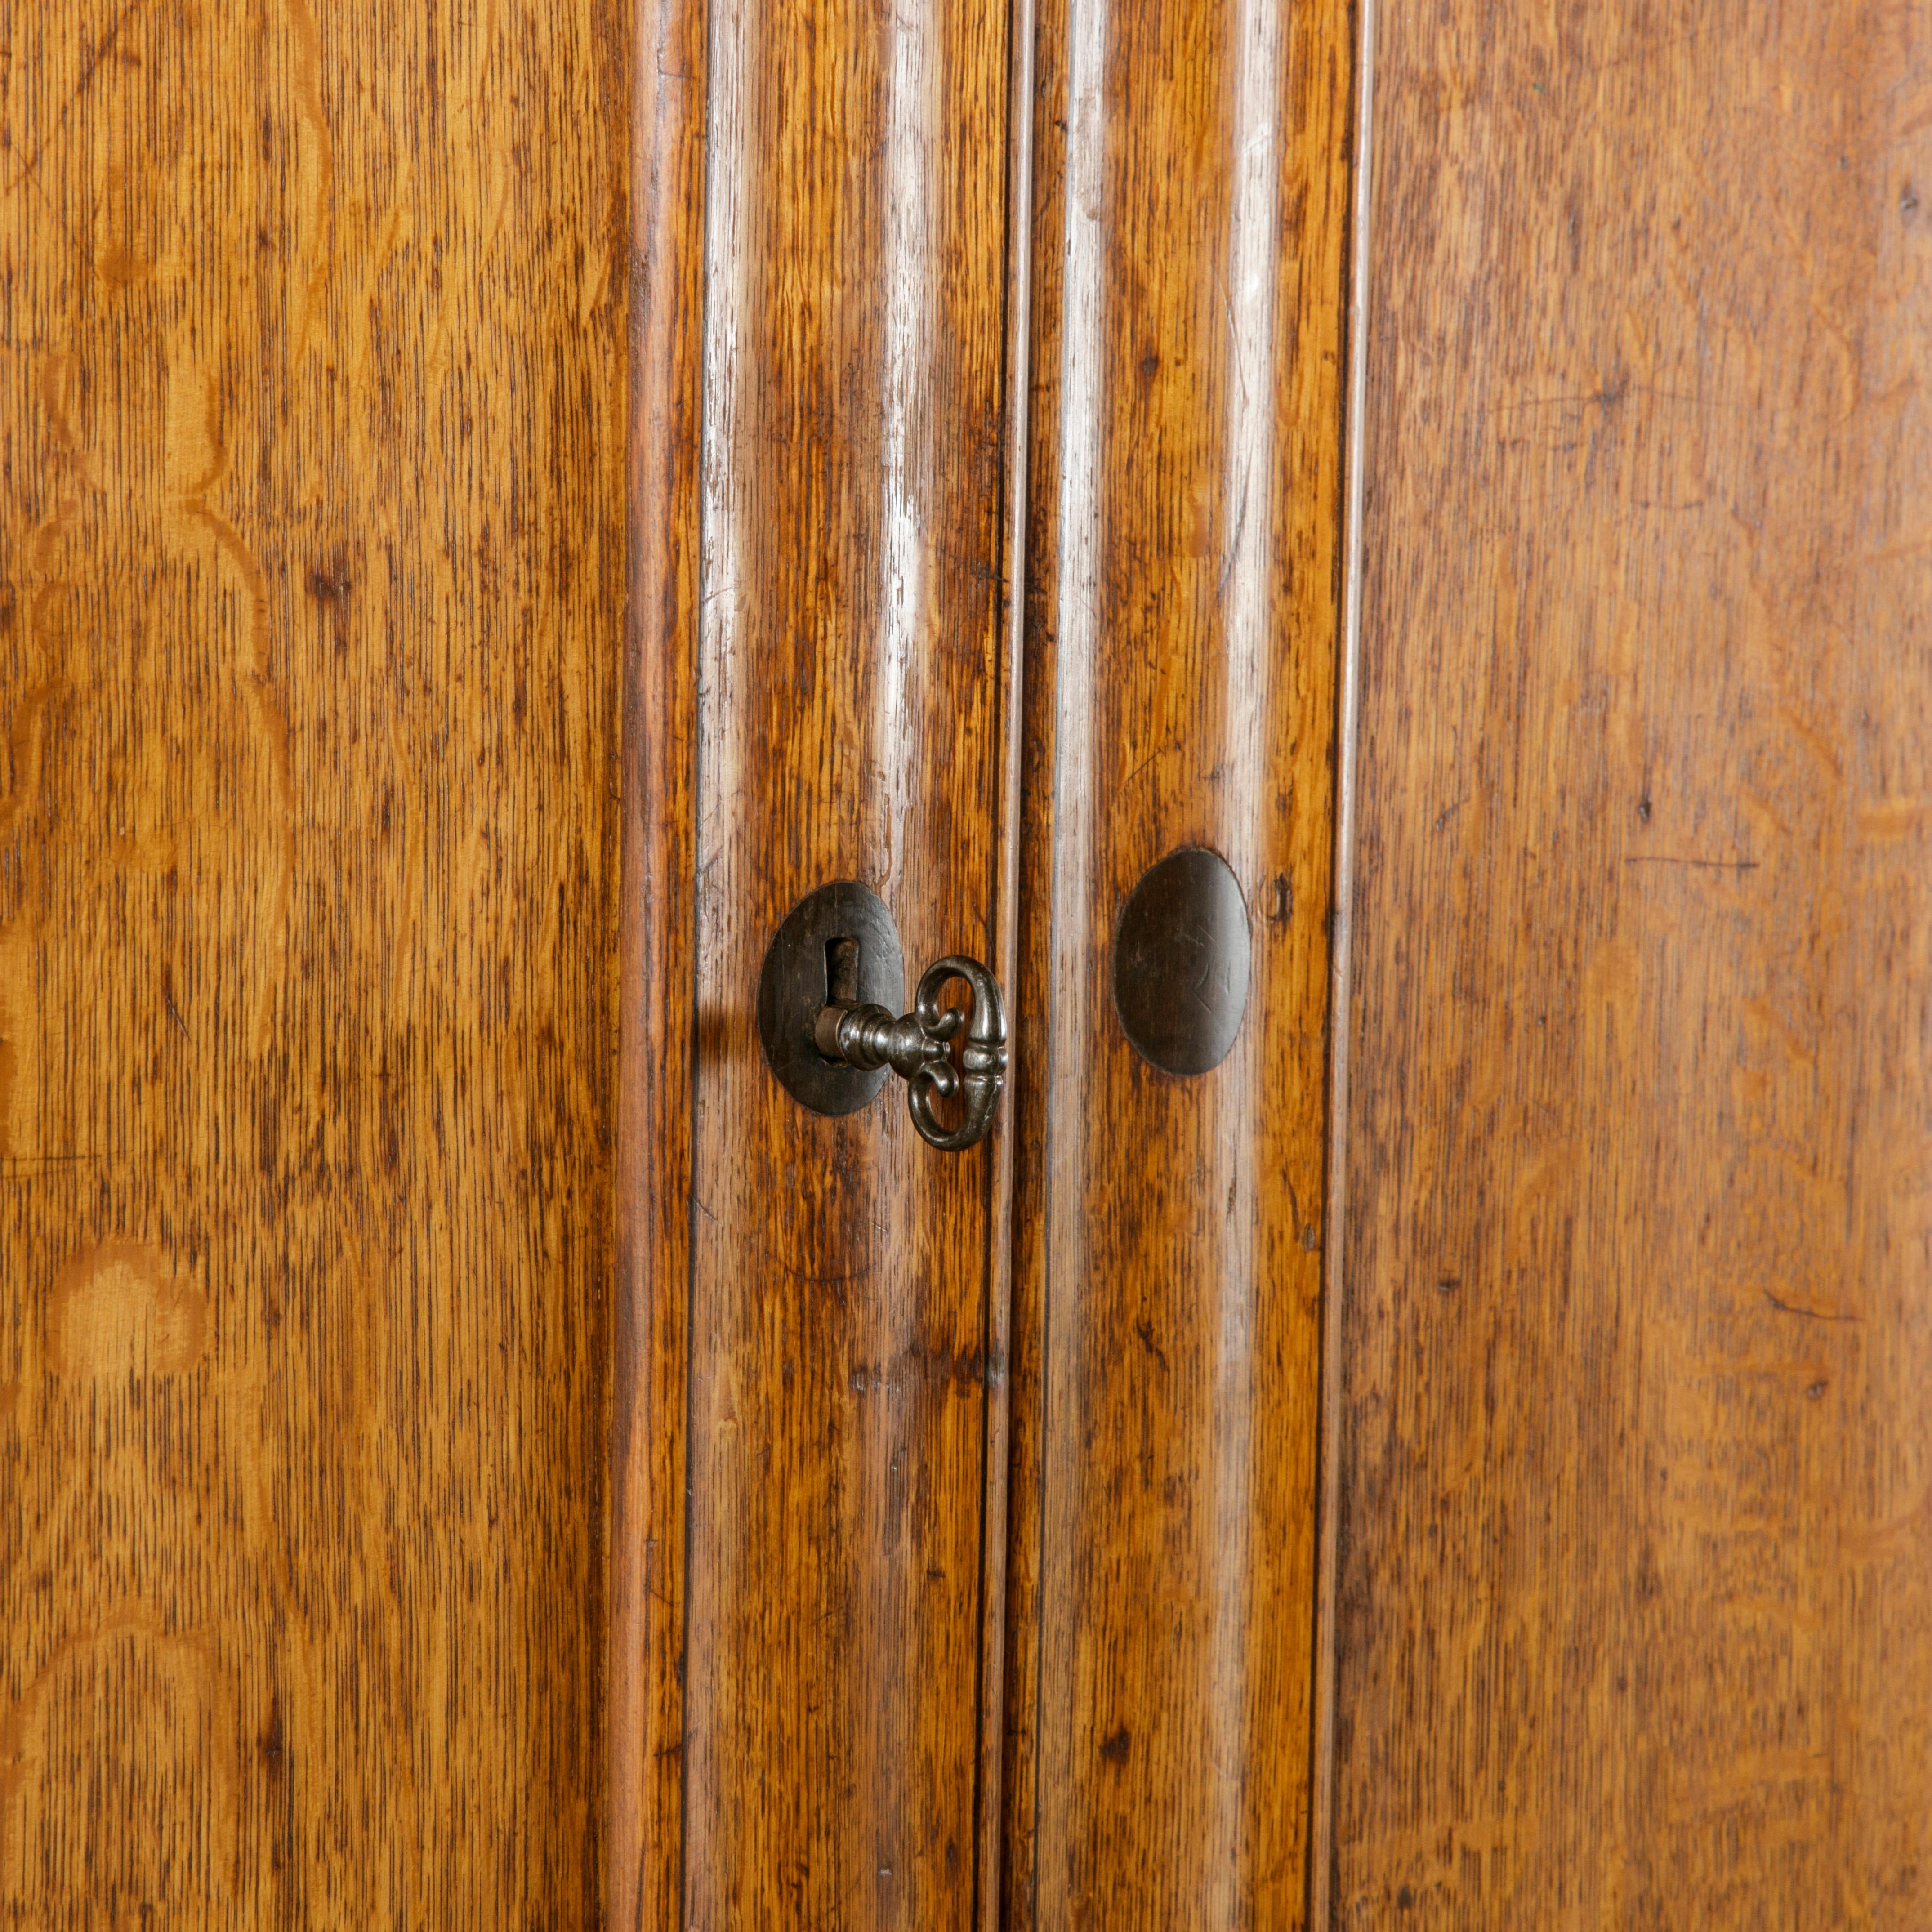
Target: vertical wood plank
(1635,1610)
(1183,589)
(311,431)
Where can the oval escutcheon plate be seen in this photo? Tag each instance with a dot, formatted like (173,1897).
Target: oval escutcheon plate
(1180,961)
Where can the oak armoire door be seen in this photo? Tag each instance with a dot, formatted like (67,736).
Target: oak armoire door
(809,1459)
(1184,586)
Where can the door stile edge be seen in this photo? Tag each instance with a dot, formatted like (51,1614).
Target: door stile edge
(1328,1424)
(1010,738)
(1036,593)
(655,1002)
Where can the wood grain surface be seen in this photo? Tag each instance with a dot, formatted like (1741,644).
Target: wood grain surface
(312,407)
(1635,1614)
(1184,589)
(657,979)
(808,1534)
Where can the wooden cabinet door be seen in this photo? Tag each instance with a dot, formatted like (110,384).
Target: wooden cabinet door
(809,1376)
(1184,583)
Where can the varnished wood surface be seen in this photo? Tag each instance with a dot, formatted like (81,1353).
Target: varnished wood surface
(811,1307)
(656,981)
(1635,1613)
(311,429)
(1183,593)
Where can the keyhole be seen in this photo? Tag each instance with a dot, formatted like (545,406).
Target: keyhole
(841,971)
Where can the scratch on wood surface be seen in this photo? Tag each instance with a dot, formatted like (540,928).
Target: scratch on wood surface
(1696,864)
(1809,1314)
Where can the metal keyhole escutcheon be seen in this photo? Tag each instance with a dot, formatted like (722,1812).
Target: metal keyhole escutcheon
(830,1036)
